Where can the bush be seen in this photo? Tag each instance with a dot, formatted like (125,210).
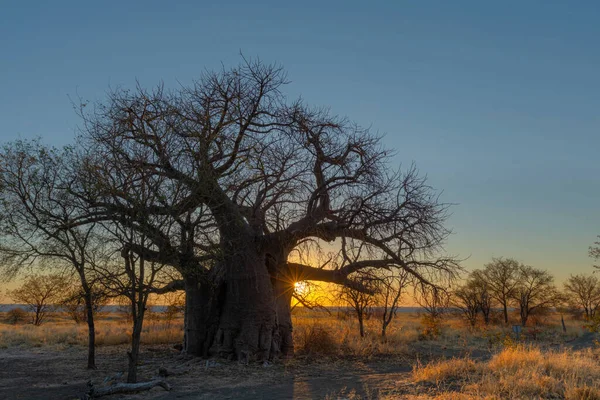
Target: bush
(16,316)
(432,327)
(316,340)
(593,325)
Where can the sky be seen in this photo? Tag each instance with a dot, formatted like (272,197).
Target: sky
(498,103)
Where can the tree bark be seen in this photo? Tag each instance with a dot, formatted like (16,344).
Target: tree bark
(361,325)
(134,354)
(284,343)
(89,308)
(248,323)
(201,318)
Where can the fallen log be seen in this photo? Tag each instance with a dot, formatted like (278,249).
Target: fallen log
(96,392)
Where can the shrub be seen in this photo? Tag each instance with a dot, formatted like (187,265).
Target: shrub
(432,327)
(316,340)
(16,316)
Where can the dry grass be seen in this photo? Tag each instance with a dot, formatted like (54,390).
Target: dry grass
(321,334)
(517,373)
(110,331)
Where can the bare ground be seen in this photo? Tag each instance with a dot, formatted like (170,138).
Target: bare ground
(51,373)
(59,374)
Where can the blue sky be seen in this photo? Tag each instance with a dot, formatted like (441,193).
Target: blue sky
(497,102)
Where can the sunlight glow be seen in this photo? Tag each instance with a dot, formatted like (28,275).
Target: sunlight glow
(301,287)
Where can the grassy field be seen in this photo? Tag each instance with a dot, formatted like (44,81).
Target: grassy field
(416,359)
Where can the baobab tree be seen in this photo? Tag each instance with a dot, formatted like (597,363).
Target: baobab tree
(241,178)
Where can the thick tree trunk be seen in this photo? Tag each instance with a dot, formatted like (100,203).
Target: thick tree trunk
(201,318)
(505,313)
(283,291)
(247,326)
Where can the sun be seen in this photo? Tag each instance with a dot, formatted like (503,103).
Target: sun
(301,287)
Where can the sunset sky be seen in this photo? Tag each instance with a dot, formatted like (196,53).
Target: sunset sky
(499,104)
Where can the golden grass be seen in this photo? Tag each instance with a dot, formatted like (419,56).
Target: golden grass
(340,336)
(516,373)
(108,333)
(316,333)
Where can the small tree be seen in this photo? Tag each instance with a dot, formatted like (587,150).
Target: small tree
(485,301)
(16,316)
(466,300)
(535,292)
(391,287)
(434,302)
(41,294)
(595,252)
(583,292)
(174,305)
(360,300)
(74,305)
(502,277)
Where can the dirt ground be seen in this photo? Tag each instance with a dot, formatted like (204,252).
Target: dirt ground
(51,373)
(59,374)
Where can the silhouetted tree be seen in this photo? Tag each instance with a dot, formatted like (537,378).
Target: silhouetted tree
(240,177)
(391,286)
(534,292)
(466,300)
(502,276)
(583,292)
(73,302)
(435,302)
(360,300)
(37,214)
(595,252)
(40,294)
(479,284)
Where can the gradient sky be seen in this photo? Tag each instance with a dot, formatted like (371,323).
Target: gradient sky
(499,104)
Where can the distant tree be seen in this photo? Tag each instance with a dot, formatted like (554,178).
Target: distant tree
(390,288)
(360,300)
(502,277)
(583,292)
(595,253)
(534,292)
(466,300)
(174,303)
(73,302)
(478,282)
(16,315)
(40,294)
(435,302)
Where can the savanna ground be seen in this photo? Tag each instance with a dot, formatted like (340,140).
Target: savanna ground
(416,360)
